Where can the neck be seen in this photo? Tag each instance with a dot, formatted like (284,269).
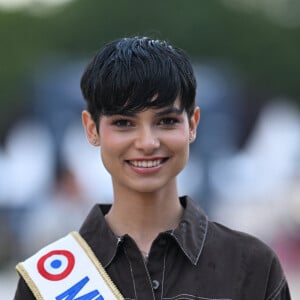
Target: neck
(144,216)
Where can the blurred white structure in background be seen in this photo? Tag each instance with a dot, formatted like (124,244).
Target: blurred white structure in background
(27,162)
(254,186)
(31,5)
(282,12)
(85,161)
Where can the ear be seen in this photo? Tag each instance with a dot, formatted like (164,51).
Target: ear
(90,128)
(194,121)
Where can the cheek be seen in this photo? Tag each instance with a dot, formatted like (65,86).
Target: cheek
(108,137)
(112,143)
(180,137)
(178,143)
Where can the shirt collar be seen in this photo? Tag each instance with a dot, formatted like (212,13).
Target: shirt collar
(190,234)
(99,236)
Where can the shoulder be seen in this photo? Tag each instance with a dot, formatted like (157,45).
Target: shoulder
(52,263)
(249,257)
(219,235)
(23,292)
(233,237)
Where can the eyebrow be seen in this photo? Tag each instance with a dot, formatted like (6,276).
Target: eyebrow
(169,110)
(166,111)
(125,113)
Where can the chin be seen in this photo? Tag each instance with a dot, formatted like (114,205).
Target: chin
(151,187)
(147,189)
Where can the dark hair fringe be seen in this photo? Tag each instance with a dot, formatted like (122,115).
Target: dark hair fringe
(132,74)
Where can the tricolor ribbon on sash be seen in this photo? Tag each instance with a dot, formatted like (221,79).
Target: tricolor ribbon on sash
(68,270)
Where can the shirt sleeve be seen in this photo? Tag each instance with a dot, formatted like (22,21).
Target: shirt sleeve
(23,292)
(278,288)
(281,293)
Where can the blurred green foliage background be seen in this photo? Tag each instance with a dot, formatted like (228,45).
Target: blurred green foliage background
(265,52)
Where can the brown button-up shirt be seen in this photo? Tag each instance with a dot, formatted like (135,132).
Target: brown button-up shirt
(197,260)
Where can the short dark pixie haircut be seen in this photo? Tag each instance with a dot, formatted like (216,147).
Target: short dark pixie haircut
(130,75)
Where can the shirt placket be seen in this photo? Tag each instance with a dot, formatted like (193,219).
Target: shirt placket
(147,277)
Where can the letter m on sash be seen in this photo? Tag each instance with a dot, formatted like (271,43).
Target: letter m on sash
(71,293)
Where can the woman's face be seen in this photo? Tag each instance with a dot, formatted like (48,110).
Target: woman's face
(145,151)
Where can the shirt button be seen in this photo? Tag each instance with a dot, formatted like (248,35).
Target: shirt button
(183,226)
(155,284)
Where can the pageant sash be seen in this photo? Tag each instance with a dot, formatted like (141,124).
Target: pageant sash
(68,270)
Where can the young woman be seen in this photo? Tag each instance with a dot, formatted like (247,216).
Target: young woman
(153,244)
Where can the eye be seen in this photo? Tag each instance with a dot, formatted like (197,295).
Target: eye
(168,121)
(122,123)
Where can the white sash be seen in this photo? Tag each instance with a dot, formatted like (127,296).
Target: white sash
(68,270)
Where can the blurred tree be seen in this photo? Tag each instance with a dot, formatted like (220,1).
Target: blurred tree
(266,53)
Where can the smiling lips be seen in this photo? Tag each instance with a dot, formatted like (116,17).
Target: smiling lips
(147,163)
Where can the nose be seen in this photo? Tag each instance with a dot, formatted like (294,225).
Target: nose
(147,140)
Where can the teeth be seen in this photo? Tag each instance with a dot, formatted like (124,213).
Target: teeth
(145,163)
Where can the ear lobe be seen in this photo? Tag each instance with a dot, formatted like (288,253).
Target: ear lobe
(90,128)
(194,121)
